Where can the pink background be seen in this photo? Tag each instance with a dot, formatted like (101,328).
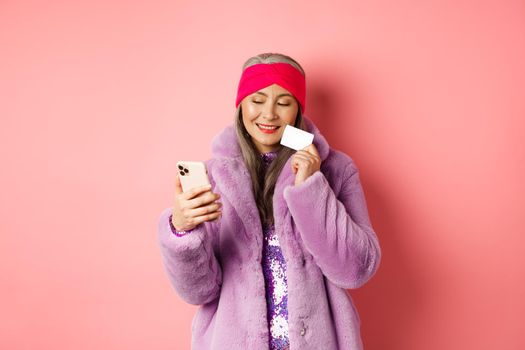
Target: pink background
(98,99)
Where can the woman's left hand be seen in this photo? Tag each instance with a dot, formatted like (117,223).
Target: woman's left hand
(305,162)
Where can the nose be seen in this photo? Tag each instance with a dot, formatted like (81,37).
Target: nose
(269,112)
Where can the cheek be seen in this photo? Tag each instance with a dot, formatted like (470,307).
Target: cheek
(250,111)
(290,118)
(247,121)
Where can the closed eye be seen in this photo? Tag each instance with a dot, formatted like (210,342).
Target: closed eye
(280,104)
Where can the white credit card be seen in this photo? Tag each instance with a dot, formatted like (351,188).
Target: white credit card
(296,138)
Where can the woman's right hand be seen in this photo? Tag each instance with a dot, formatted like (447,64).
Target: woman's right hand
(194,207)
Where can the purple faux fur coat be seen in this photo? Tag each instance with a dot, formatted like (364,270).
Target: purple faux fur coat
(326,238)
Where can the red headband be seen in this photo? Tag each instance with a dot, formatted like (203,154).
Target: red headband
(262,75)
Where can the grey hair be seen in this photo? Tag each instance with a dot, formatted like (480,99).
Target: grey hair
(272,58)
(263,183)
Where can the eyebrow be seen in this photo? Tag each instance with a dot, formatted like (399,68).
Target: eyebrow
(285,94)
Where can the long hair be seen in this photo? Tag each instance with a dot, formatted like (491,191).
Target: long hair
(263,183)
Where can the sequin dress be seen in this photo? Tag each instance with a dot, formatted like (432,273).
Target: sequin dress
(274,269)
(276,284)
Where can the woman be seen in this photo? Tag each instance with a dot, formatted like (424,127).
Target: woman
(269,249)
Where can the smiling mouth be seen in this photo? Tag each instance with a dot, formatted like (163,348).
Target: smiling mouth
(267,127)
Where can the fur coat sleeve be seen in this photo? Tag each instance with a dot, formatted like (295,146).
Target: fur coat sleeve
(190,260)
(336,230)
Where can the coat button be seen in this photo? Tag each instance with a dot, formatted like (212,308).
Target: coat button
(303,331)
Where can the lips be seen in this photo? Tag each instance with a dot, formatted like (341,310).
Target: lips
(267,126)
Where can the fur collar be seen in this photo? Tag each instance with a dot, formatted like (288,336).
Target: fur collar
(234,183)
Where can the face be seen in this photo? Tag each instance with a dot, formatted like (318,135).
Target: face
(265,114)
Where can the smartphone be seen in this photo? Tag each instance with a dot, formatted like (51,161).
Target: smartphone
(192,174)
